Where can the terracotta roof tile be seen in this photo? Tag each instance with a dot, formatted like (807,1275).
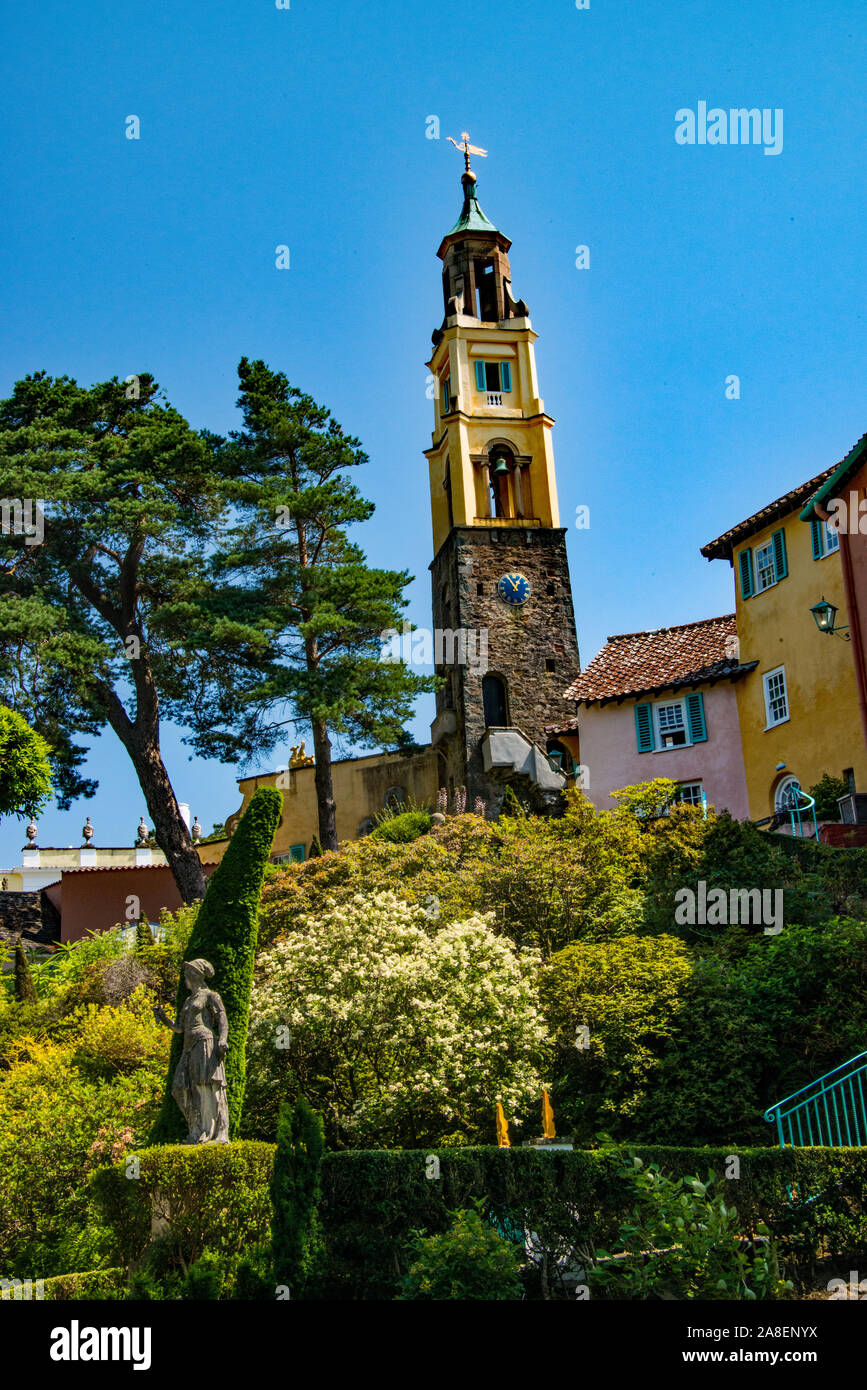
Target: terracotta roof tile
(636,663)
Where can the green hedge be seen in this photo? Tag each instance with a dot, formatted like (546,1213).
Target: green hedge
(92,1283)
(215,1197)
(813,1200)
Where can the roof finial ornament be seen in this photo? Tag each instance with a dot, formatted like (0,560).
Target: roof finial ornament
(468,149)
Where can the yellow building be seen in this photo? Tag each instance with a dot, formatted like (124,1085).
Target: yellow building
(363,787)
(798,710)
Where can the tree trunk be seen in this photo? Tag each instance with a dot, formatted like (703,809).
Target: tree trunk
(324,786)
(172,835)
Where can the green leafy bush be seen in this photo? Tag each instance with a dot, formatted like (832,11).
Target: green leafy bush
(469,1261)
(681,1240)
(612,1006)
(87,1285)
(826,794)
(404,828)
(399,1030)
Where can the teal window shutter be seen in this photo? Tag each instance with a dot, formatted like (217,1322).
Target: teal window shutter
(781,568)
(816,537)
(644,728)
(695,717)
(296,854)
(480,376)
(506,376)
(745,565)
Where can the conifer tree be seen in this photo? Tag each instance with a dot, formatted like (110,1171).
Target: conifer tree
(225,933)
(295,1193)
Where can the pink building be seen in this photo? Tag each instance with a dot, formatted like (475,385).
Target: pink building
(662,704)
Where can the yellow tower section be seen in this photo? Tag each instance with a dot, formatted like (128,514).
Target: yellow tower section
(491,458)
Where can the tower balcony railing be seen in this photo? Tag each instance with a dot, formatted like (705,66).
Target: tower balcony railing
(514,521)
(495,398)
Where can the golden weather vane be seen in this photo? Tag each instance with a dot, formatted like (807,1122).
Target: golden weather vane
(468,149)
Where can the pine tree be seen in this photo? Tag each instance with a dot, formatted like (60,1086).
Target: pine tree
(225,934)
(295,1194)
(143,936)
(25,990)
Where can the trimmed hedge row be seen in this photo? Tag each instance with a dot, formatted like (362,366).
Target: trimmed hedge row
(90,1284)
(813,1200)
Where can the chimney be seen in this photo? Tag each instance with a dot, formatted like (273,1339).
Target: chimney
(184,809)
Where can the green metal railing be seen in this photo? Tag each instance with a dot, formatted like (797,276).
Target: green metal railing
(803,803)
(829,1112)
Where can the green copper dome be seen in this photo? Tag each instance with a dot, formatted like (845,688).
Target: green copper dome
(472,219)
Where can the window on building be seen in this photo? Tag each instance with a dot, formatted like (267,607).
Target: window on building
(765,575)
(849,778)
(447,395)
(788,794)
(825,538)
(550,663)
(480,588)
(776,697)
(494,703)
(671,725)
(689,793)
(763,567)
(493,377)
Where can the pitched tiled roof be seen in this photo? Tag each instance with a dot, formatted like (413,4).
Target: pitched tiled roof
(637,663)
(722,547)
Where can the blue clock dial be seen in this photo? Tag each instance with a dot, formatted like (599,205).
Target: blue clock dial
(514,589)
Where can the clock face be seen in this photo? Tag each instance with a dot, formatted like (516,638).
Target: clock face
(514,589)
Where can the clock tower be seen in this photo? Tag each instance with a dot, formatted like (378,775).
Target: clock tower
(502,603)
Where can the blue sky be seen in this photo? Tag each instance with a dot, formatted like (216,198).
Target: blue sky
(307,127)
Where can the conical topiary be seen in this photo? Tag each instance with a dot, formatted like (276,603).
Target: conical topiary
(295,1193)
(143,935)
(225,934)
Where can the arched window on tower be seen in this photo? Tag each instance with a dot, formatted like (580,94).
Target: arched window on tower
(501,472)
(494,702)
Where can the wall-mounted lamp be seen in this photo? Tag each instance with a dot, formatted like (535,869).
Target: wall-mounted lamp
(825,615)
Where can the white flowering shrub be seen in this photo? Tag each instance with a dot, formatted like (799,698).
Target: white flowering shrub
(401,1032)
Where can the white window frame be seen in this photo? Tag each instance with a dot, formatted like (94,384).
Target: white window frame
(830,539)
(768,549)
(782,786)
(660,746)
(683,786)
(767,677)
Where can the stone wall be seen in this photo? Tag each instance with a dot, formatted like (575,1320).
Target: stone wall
(30,916)
(533,648)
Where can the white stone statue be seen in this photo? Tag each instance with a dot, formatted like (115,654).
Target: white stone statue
(87,831)
(196,831)
(143,834)
(199,1082)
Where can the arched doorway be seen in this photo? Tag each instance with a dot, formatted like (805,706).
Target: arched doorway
(787,794)
(561,756)
(494,701)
